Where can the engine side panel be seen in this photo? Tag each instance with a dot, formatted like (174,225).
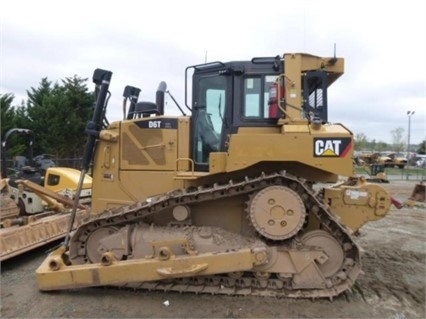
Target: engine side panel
(323,154)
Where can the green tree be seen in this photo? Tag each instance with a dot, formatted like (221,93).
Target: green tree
(381,146)
(361,142)
(422,148)
(372,144)
(58,114)
(7,113)
(76,107)
(38,116)
(397,139)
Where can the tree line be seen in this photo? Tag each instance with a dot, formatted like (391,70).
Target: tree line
(57,114)
(363,143)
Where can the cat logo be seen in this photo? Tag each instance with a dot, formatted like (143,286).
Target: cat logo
(332,147)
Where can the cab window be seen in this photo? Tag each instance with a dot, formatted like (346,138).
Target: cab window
(256,96)
(53,180)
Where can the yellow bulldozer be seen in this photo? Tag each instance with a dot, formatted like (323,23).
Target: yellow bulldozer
(387,159)
(222,201)
(398,160)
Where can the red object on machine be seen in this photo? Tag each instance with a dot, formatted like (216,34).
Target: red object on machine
(274,110)
(396,203)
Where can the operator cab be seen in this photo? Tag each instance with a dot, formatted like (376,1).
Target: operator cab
(227,96)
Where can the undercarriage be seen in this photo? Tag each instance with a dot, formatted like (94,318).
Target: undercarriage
(286,243)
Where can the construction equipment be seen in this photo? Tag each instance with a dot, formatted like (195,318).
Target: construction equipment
(22,233)
(387,159)
(419,192)
(398,160)
(8,207)
(42,171)
(36,201)
(376,172)
(375,158)
(222,201)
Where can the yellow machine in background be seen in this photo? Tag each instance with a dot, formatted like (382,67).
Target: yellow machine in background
(64,181)
(40,170)
(222,201)
(21,232)
(36,200)
(398,160)
(387,159)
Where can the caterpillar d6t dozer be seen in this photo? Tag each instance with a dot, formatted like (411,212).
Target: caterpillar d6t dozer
(223,201)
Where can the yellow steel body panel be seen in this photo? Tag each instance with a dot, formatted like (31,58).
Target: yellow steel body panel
(292,149)
(127,187)
(295,129)
(139,162)
(59,178)
(147,148)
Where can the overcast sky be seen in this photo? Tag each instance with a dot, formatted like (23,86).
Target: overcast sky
(145,42)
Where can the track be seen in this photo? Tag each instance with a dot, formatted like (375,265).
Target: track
(248,283)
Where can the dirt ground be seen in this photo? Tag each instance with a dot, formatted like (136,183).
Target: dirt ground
(393,285)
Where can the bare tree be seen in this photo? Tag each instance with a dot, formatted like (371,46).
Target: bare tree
(397,139)
(361,142)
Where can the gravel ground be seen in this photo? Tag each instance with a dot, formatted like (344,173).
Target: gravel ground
(393,285)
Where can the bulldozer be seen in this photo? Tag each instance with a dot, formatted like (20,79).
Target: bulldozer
(375,171)
(370,158)
(398,160)
(387,159)
(223,201)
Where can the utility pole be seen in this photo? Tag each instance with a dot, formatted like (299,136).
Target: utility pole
(409,114)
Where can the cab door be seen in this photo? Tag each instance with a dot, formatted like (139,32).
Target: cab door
(211,98)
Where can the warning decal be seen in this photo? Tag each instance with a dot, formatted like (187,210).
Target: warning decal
(332,147)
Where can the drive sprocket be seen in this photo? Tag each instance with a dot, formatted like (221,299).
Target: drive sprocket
(277,212)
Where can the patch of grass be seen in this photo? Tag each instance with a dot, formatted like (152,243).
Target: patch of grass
(413,172)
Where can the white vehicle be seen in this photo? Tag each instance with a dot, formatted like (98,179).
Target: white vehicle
(421,161)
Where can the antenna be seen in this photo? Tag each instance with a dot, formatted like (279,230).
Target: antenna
(304,27)
(205,57)
(333,60)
